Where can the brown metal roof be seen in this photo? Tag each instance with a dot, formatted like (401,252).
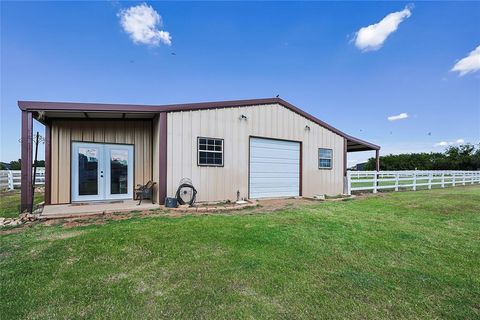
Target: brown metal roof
(353,144)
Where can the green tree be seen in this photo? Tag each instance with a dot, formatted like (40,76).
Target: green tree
(462,157)
(15,165)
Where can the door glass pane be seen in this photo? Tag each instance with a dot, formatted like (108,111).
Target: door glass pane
(119,171)
(87,171)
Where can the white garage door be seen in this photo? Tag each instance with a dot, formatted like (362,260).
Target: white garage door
(274,168)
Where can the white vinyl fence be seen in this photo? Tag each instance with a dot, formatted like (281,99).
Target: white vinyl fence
(410,180)
(11,179)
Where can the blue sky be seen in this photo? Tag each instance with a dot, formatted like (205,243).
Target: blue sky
(312,54)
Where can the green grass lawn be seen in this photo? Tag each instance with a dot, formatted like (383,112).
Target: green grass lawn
(411,255)
(10,203)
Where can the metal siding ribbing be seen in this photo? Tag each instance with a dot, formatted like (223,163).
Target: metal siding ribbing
(128,132)
(269,121)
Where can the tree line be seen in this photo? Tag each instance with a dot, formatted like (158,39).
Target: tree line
(17,164)
(462,157)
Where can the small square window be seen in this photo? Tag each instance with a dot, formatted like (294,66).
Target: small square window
(325,157)
(210,152)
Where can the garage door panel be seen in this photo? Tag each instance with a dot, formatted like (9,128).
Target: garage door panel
(256,160)
(285,186)
(274,193)
(273,175)
(268,153)
(274,168)
(274,181)
(277,144)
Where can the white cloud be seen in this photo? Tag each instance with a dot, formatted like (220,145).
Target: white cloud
(449,143)
(470,63)
(441,144)
(400,116)
(372,37)
(143,23)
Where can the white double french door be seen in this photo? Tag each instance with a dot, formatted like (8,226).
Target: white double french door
(101,171)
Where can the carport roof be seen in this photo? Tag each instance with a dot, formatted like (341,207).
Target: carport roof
(85,110)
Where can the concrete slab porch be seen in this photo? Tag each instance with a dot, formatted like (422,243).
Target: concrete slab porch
(94,208)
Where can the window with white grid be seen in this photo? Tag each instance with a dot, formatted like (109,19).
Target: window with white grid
(325,158)
(210,152)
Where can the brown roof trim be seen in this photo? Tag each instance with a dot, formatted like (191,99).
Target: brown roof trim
(362,142)
(75,106)
(100,107)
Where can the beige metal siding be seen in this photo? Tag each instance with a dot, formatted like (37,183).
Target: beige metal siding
(269,121)
(138,133)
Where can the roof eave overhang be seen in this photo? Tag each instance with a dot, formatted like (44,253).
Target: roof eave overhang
(38,106)
(360,145)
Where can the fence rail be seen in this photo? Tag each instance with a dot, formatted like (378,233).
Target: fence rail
(356,180)
(395,180)
(12,179)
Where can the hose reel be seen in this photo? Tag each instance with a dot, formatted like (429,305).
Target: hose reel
(186,192)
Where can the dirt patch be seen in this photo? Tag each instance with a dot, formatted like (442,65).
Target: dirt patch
(68,223)
(62,235)
(75,223)
(270,205)
(264,206)
(365,195)
(116,277)
(5,255)
(17,229)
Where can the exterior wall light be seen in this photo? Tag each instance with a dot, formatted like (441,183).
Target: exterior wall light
(243,117)
(307,128)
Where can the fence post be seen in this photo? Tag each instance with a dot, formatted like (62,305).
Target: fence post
(10,180)
(443,179)
(430,180)
(397,176)
(415,180)
(463,177)
(453,179)
(375,181)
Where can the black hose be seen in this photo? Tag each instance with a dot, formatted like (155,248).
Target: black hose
(179,198)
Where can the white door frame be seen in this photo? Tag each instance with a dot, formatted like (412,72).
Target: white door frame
(103,171)
(75,179)
(108,149)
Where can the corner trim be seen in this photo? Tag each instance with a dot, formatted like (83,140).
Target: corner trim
(162,150)
(27,159)
(48,163)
